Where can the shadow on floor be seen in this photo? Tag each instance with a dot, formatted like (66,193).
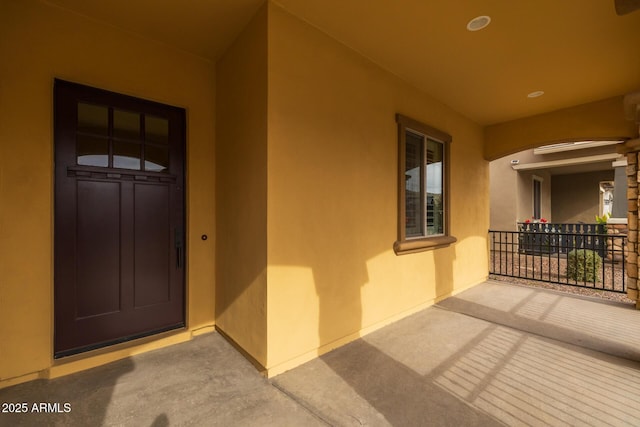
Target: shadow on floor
(64,401)
(437,367)
(402,396)
(203,382)
(441,368)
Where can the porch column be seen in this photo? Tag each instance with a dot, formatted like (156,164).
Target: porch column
(617,223)
(632,222)
(632,149)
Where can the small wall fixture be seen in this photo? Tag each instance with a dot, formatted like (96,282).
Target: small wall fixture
(478,23)
(535,94)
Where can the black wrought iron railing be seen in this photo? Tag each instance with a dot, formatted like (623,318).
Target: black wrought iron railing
(588,257)
(563,238)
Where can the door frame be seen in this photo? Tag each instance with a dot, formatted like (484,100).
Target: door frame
(91,94)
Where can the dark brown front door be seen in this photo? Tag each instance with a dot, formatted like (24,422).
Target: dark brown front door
(119,218)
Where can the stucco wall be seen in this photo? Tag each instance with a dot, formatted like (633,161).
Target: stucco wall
(241,190)
(39,42)
(512,191)
(524,200)
(576,197)
(332,196)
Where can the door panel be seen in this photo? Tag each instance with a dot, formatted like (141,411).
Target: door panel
(152,237)
(98,248)
(119,218)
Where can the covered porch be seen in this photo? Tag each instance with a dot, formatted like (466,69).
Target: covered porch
(288,124)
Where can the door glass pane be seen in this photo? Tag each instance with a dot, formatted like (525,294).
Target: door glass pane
(413,206)
(126,124)
(126,155)
(156,158)
(93,119)
(92,151)
(435,200)
(156,129)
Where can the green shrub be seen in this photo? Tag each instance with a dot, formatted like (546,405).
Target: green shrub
(583,265)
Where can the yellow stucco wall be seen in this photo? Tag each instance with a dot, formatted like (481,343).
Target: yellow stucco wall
(332,196)
(602,119)
(40,42)
(299,199)
(241,190)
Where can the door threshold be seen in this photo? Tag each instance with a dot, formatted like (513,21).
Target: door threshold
(110,343)
(104,355)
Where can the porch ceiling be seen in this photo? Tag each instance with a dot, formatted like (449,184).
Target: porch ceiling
(581,168)
(576,51)
(203,27)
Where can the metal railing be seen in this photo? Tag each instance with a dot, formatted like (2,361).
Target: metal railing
(545,253)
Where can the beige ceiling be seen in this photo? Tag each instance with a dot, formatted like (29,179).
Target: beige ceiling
(576,51)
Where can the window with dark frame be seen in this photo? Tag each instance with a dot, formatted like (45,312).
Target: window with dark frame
(536,198)
(117,138)
(423,187)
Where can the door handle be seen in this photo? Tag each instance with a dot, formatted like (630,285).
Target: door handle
(179,244)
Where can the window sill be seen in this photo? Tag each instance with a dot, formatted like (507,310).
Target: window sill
(421,245)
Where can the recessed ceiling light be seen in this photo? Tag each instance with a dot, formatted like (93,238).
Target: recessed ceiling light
(478,23)
(535,94)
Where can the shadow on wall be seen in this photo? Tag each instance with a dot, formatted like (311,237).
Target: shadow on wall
(339,296)
(401,395)
(88,398)
(443,260)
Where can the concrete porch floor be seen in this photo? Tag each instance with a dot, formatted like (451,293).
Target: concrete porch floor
(496,354)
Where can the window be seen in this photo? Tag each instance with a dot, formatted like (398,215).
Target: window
(423,187)
(112,137)
(537,185)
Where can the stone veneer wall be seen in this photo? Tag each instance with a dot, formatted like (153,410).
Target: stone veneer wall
(614,246)
(632,222)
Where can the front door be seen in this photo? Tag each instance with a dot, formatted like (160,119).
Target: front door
(119,218)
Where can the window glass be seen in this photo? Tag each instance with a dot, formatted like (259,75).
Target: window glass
(126,124)
(536,199)
(156,129)
(93,119)
(92,150)
(126,155)
(107,136)
(156,158)
(413,204)
(435,201)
